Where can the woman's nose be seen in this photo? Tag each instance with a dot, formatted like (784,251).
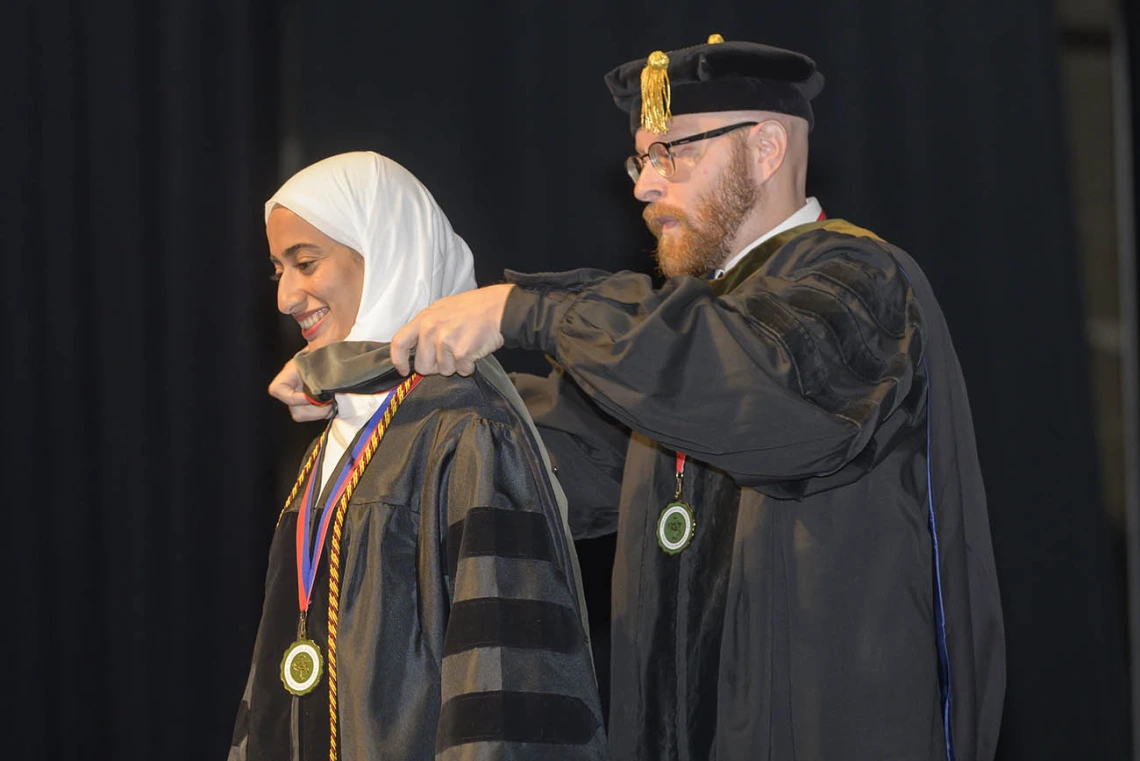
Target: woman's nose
(290,298)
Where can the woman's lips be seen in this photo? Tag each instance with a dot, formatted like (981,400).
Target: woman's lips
(310,322)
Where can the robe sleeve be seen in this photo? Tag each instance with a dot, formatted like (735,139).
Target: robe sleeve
(587,449)
(787,376)
(517,673)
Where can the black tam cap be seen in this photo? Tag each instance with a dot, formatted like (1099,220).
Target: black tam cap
(716,76)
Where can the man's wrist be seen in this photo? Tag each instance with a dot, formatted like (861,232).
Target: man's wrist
(531,318)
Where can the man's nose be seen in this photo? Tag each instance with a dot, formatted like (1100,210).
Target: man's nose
(650,185)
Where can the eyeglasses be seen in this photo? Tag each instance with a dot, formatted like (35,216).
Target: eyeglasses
(660,155)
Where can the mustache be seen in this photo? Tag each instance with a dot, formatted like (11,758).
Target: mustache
(655,215)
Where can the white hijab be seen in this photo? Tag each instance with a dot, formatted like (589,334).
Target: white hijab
(377,208)
(412,257)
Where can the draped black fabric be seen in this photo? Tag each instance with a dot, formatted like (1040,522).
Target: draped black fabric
(142,138)
(139,478)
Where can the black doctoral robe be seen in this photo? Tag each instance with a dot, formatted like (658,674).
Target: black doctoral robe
(818,397)
(461,632)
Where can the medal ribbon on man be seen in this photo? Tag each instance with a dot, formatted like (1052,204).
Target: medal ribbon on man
(676,524)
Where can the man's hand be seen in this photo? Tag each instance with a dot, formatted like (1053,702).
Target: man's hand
(451,334)
(288,389)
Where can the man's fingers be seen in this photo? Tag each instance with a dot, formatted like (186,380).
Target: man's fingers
(464,367)
(451,334)
(403,342)
(445,364)
(425,357)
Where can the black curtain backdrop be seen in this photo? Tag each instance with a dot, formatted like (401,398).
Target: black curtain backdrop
(145,459)
(141,459)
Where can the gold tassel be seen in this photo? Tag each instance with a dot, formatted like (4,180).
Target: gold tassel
(715,39)
(655,94)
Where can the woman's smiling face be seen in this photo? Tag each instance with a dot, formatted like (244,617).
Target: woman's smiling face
(319,280)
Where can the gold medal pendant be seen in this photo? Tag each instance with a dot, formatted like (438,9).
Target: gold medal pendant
(675,527)
(301,667)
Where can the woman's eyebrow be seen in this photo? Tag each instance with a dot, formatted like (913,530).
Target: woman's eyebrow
(292,251)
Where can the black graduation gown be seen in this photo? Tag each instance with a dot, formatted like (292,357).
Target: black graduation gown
(801,623)
(461,630)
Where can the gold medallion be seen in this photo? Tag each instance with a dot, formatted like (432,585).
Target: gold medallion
(301,667)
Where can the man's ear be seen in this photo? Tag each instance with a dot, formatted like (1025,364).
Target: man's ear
(769,144)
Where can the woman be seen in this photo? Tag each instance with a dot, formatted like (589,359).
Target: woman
(422,598)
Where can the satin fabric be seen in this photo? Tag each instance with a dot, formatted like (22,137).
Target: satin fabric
(462,632)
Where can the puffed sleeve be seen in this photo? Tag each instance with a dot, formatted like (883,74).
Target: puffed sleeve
(787,376)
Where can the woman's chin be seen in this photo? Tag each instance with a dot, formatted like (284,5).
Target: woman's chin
(317,343)
(323,339)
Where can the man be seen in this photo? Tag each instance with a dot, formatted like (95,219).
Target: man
(804,567)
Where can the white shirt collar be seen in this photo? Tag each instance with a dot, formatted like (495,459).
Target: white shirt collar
(807,213)
(352,412)
(355,409)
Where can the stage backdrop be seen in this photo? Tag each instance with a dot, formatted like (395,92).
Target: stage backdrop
(146,465)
